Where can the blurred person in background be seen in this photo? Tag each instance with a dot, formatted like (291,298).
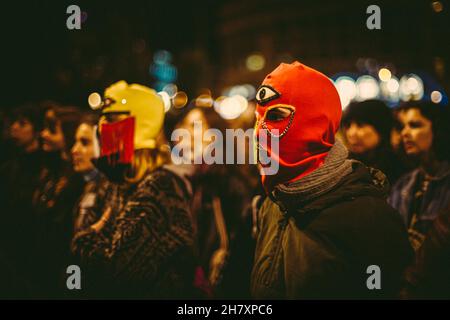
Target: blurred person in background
(142,244)
(24,129)
(406,162)
(54,198)
(367,128)
(325,219)
(84,151)
(87,210)
(19,179)
(422,193)
(222,196)
(428,277)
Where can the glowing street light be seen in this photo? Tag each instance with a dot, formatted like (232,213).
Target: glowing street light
(436,96)
(367,88)
(346,88)
(384,74)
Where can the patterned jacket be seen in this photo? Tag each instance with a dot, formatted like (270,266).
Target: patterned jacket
(429,277)
(417,207)
(145,248)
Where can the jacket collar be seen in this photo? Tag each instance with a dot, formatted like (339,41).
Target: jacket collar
(361,181)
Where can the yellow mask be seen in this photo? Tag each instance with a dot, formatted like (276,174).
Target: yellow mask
(141,103)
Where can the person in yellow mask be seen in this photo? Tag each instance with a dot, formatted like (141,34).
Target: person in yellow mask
(142,244)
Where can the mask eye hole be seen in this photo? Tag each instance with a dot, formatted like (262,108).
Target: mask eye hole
(266,94)
(278,114)
(107,102)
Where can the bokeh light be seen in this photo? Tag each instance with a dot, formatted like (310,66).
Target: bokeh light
(232,107)
(218,103)
(171,89)
(436,96)
(166,100)
(242,102)
(347,90)
(393,85)
(384,74)
(411,87)
(390,90)
(204,100)
(367,88)
(95,100)
(179,100)
(255,62)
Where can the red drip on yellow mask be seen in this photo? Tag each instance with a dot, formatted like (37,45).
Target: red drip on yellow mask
(117,141)
(116,148)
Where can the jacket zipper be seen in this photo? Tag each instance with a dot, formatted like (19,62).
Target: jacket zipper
(282,225)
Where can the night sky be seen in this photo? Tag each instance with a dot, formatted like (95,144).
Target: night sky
(42,59)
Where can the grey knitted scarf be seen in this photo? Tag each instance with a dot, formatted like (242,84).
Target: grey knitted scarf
(322,180)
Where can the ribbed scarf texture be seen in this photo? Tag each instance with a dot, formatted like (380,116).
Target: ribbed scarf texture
(322,180)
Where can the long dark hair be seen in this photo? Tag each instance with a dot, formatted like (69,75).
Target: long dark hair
(373,112)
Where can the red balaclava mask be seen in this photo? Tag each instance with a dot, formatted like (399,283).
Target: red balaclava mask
(304,106)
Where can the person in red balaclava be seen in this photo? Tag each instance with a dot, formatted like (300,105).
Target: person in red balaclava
(303,105)
(325,229)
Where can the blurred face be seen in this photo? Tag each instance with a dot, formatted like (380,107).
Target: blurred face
(52,135)
(361,137)
(417,134)
(83,149)
(22,132)
(188,123)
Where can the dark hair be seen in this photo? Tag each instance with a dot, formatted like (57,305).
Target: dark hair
(89,118)
(372,112)
(29,112)
(70,120)
(439,117)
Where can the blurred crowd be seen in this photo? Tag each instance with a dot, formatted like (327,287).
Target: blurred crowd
(54,214)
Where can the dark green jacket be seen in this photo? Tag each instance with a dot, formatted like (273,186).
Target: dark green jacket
(322,248)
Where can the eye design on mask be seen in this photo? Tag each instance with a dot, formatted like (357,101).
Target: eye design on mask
(265,94)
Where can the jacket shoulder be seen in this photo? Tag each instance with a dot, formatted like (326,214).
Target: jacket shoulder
(366,227)
(365,213)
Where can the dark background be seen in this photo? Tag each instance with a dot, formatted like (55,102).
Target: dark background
(209,41)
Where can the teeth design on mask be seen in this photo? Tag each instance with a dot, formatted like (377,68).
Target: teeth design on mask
(291,119)
(265,94)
